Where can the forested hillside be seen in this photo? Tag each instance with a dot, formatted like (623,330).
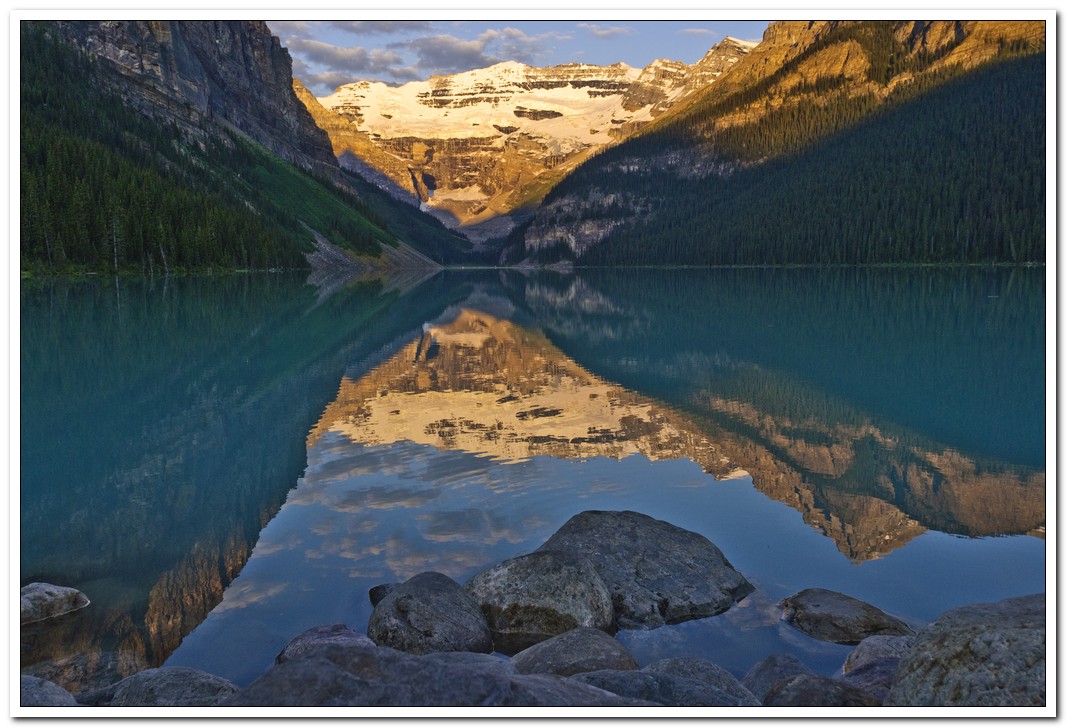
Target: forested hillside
(948,166)
(104,187)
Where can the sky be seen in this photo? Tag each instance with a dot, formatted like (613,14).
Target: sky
(329,53)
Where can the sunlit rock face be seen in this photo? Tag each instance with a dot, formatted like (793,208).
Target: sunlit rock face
(475,146)
(486,385)
(797,63)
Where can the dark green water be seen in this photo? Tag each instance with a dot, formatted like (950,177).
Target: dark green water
(220,463)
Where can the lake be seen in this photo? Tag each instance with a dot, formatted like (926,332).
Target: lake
(221,462)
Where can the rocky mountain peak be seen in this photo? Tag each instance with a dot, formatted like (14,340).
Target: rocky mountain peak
(476,146)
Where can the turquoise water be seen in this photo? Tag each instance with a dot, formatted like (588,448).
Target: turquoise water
(234,459)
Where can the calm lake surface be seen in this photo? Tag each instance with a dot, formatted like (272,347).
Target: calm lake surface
(222,462)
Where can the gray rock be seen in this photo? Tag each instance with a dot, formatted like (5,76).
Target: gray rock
(876,649)
(35,692)
(163,687)
(377,593)
(326,634)
(817,691)
(360,675)
(872,665)
(835,617)
(706,673)
(657,573)
(770,671)
(638,685)
(553,690)
(582,649)
(530,598)
(430,613)
(873,676)
(983,654)
(39,601)
(663,688)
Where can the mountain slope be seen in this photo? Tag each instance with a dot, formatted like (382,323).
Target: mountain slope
(829,143)
(145,148)
(200,74)
(475,147)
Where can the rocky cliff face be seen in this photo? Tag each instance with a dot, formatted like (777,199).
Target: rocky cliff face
(474,147)
(205,75)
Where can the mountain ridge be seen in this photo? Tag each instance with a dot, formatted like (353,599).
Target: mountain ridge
(804,86)
(475,147)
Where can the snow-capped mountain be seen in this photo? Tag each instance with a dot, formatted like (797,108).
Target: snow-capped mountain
(475,146)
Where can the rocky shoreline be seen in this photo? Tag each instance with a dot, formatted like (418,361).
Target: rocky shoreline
(433,642)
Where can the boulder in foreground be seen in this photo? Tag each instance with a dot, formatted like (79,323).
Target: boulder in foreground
(771,670)
(530,598)
(983,654)
(36,692)
(163,687)
(872,665)
(326,634)
(675,682)
(657,572)
(429,613)
(582,649)
(835,617)
(816,691)
(360,675)
(38,601)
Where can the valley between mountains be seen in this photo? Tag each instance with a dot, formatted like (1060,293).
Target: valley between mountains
(183,145)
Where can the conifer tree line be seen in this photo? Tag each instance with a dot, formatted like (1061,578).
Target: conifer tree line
(949,168)
(106,188)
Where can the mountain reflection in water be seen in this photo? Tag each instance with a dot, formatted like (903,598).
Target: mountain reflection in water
(485,385)
(475,437)
(477,412)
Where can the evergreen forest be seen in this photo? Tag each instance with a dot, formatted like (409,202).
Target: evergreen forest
(105,188)
(948,169)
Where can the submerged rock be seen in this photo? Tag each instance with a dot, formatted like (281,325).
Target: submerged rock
(163,687)
(657,573)
(430,613)
(38,601)
(35,692)
(530,598)
(336,634)
(835,617)
(817,691)
(582,649)
(983,654)
(360,675)
(772,670)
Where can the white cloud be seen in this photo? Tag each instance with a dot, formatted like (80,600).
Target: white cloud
(605,31)
(440,54)
(698,31)
(381,27)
